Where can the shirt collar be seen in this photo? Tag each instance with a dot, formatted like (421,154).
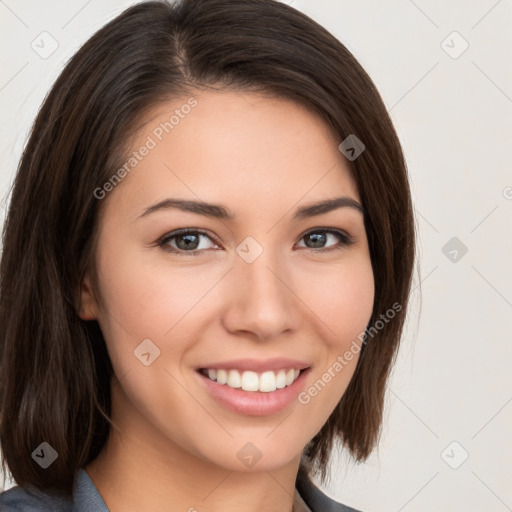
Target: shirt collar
(86,497)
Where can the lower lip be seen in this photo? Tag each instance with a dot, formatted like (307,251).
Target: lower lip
(254,403)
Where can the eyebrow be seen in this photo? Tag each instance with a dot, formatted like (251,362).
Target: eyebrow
(221,212)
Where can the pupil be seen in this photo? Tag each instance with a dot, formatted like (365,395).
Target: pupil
(187,240)
(316,237)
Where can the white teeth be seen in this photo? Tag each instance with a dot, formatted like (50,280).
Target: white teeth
(280,379)
(265,382)
(222,376)
(234,380)
(250,381)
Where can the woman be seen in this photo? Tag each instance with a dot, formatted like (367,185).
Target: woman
(206,267)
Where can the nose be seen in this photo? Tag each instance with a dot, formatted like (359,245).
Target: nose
(261,300)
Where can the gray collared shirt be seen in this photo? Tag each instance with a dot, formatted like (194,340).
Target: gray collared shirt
(86,498)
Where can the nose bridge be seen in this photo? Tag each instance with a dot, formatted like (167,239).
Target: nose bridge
(261,299)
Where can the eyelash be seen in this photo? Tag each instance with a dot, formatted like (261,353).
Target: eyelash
(345,240)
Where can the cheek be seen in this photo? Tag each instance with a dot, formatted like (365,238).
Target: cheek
(142,294)
(342,299)
(343,302)
(146,297)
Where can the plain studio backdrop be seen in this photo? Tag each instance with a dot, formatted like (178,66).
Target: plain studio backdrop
(443,69)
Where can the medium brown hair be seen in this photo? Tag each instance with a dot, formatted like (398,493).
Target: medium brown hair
(54,368)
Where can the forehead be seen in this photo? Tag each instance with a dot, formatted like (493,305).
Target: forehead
(233,146)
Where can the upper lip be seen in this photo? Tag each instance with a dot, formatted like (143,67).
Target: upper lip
(256,365)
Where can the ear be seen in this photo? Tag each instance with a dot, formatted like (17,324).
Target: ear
(88,305)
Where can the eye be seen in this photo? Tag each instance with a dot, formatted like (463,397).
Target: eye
(185,242)
(318,237)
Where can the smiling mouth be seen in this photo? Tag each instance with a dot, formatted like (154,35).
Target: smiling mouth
(264,382)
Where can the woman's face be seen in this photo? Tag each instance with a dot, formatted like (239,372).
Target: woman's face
(253,286)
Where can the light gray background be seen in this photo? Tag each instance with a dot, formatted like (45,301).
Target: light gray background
(452,380)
